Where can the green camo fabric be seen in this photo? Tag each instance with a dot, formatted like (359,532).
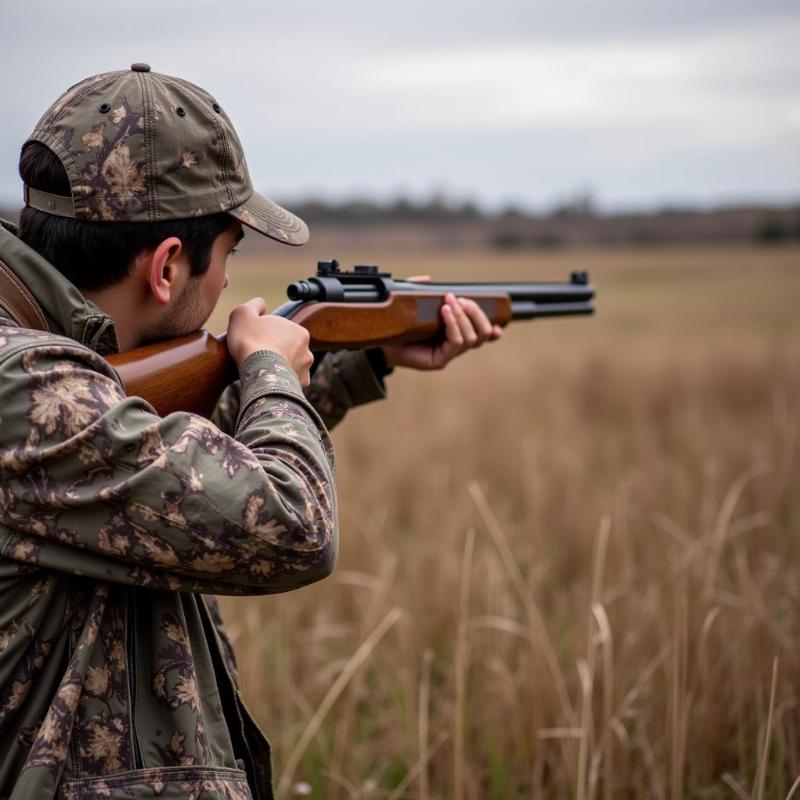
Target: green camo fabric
(117,527)
(141,160)
(140,146)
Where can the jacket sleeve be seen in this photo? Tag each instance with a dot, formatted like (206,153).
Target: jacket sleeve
(341,381)
(95,483)
(226,412)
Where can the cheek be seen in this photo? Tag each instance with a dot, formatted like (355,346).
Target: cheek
(218,280)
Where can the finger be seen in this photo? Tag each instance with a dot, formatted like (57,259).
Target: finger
(480,321)
(420,279)
(452,329)
(304,373)
(497,332)
(257,305)
(465,324)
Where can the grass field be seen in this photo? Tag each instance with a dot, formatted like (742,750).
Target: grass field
(570,563)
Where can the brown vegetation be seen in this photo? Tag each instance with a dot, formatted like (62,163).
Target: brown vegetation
(570,564)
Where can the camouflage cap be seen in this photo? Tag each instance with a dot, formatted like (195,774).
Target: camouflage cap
(140,146)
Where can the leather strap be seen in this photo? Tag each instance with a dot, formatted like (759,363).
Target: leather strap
(19,302)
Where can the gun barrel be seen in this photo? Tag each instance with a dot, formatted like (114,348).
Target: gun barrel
(528,300)
(527,309)
(517,292)
(371,292)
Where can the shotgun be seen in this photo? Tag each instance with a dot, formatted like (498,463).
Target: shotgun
(342,310)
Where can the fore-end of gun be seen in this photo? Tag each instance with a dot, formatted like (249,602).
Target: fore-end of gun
(407,316)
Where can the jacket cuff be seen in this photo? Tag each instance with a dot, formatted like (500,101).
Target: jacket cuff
(265,372)
(377,360)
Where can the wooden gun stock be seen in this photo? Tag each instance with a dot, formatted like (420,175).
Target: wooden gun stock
(185,374)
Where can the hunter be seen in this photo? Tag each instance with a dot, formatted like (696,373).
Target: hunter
(118,526)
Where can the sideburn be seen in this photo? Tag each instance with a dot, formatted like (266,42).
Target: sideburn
(185,315)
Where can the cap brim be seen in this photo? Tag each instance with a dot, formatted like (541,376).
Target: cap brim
(270,219)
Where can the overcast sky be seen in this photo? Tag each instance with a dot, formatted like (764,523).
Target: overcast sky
(641,102)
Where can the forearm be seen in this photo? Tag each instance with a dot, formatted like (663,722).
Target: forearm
(169,502)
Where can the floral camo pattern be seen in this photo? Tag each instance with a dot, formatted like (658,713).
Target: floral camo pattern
(111,521)
(144,146)
(110,174)
(103,506)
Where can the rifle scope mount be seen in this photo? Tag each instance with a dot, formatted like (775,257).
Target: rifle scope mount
(329,284)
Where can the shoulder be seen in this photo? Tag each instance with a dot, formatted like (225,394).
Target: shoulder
(51,387)
(32,359)
(38,346)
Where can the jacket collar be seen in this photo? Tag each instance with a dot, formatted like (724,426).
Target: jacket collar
(68,312)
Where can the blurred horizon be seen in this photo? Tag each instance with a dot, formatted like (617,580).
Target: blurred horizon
(640,105)
(444,222)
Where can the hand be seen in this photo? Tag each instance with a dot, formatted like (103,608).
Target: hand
(466,326)
(251,328)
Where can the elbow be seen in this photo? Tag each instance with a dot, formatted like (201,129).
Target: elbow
(294,567)
(324,564)
(285,554)
(316,550)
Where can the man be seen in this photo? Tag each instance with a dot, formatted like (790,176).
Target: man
(118,526)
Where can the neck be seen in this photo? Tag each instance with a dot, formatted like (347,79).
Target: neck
(128,311)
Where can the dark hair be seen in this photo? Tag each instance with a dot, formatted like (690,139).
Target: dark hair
(95,255)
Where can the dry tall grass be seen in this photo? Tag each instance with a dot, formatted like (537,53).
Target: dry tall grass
(570,564)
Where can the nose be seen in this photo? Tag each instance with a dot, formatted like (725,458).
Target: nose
(226,281)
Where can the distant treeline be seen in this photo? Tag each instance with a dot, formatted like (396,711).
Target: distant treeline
(675,226)
(576,222)
(399,210)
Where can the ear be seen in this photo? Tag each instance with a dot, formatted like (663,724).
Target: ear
(163,270)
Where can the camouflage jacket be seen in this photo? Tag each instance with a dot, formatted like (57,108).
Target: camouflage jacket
(117,527)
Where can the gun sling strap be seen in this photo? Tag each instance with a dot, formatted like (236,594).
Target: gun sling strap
(17,300)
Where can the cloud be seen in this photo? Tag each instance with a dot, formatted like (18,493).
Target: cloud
(365,95)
